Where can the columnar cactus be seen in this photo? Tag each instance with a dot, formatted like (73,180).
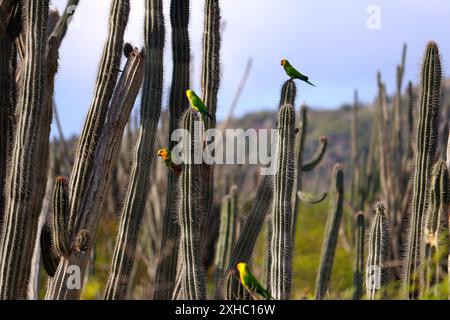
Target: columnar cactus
(435,223)
(281,242)
(227,235)
(190,212)
(426,142)
(377,271)
(137,193)
(246,241)
(167,264)
(210,81)
(105,159)
(331,232)
(6,103)
(354,191)
(106,80)
(358,271)
(21,218)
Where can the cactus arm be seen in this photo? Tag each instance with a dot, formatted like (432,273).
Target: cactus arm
(137,193)
(301,146)
(105,159)
(106,80)
(245,243)
(20,227)
(227,236)
(318,155)
(331,232)
(358,269)
(49,259)
(435,223)
(190,214)
(60,217)
(6,106)
(426,142)
(377,271)
(311,198)
(281,242)
(167,264)
(210,81)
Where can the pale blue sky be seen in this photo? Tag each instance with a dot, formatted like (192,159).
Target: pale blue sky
(327,40)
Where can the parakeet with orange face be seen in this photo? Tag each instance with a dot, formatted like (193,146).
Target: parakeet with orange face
(197,104)
(167,157)
(293,73)
(249,281)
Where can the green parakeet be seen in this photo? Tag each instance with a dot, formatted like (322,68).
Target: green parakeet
(249,281)
(293,73)
(198,104)
(167,157)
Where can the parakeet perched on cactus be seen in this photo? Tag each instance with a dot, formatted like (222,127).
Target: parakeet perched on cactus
(197,104)
(167,157)
(249,281)
(293,73)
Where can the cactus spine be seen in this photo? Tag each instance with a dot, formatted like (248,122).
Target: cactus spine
(281,243)
(377,271)
(435,222)
(227,235)
(167,264)
(21,218)
(133,210)
(245,243)
(331,232)
(190,213)
(358,271)
(60,217)
(426,142)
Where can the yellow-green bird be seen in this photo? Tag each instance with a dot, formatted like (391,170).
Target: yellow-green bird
(167,157)
(249,281)
(293,73)
(197,104)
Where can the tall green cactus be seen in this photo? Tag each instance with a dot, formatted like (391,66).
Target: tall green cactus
(246,241)
(426,142)
(331,232)
(21,218)
(227,235)
(435,223)
(190,212)
(377,270)
(137,193)
(281,242)
(358,271)
(167,264)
